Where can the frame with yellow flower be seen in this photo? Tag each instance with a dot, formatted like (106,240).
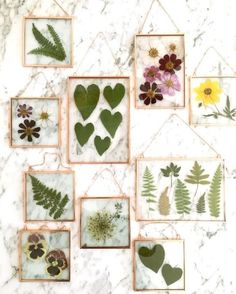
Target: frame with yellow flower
(211,100)
(159,71)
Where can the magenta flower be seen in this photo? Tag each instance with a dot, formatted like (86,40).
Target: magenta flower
(152,74)
(170,84)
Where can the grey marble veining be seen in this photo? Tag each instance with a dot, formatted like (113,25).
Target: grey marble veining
(210,247)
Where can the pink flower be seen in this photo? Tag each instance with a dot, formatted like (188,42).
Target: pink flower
(170,84)
(152,74)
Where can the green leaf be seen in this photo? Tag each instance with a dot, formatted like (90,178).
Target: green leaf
(182,199)
(102,144)
(171,170)
(83,133)
(214,193)
(201,205)
(54,50)
(110,121)
(148,188)
(197,175)
(48,198)
(114,96)
(86,100)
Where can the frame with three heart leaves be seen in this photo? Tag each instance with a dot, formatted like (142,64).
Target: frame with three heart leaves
(48,41)
(180,189)
(44,255)
(98,118)
(158,264)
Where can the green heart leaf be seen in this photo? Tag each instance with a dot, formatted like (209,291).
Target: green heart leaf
(114,96)
(152,258)
(111,122)
(102,144)
(171,274)
(86,100)
(83,133)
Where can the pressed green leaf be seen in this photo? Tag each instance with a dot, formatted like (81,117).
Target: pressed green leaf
(214,193)
(171,170)
(49,198)
(197,175)
(201,204)
(182,199)
(148,187)
(47,48)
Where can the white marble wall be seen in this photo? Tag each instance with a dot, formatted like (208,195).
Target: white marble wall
(210,247)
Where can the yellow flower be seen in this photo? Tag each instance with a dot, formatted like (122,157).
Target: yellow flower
(208,92)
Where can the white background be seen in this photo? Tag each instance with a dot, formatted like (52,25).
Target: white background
(210,247)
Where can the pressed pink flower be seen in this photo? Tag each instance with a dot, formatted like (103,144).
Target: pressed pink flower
(170,84)
(152,74)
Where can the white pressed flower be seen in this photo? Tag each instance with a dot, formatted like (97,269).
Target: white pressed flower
(45,118)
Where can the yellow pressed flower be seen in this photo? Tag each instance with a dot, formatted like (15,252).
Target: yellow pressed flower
(208,92)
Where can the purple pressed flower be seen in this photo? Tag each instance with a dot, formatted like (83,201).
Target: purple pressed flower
(151,93)
(24,111)
(170,84)
(152,74)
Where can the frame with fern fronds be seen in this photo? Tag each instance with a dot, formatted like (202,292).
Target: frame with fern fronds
(42,231)
(137,264)
(13,114)
(197,196)
(53,39)
(71,202)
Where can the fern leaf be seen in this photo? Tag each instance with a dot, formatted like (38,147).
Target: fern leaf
(164,203)
(197,175)
(57,41)
(148,187)
(182,199)
(214,193)
(49,198)
(49,49)
(201,205)
(44,42)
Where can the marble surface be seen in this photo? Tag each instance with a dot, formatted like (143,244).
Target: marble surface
(102,26)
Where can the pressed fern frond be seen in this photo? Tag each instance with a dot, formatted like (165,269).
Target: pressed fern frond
(49,198)
(201,204)
(182,199)
(164,203)
(197,175)
(54,50)
(214,193)
(148,187)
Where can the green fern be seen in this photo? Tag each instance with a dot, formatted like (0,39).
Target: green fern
(201,204)
(149,188)
(54,50)
(214,193)
(49,198)
(171,170)
(182,199)
(197,175)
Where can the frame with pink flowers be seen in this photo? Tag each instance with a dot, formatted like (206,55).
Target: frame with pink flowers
(159,71)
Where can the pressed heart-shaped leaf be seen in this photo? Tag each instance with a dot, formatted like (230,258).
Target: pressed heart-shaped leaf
(102,144)
(83,133)
(152,258)
(111,121)
(114,96)
(171,274)
(86,100)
